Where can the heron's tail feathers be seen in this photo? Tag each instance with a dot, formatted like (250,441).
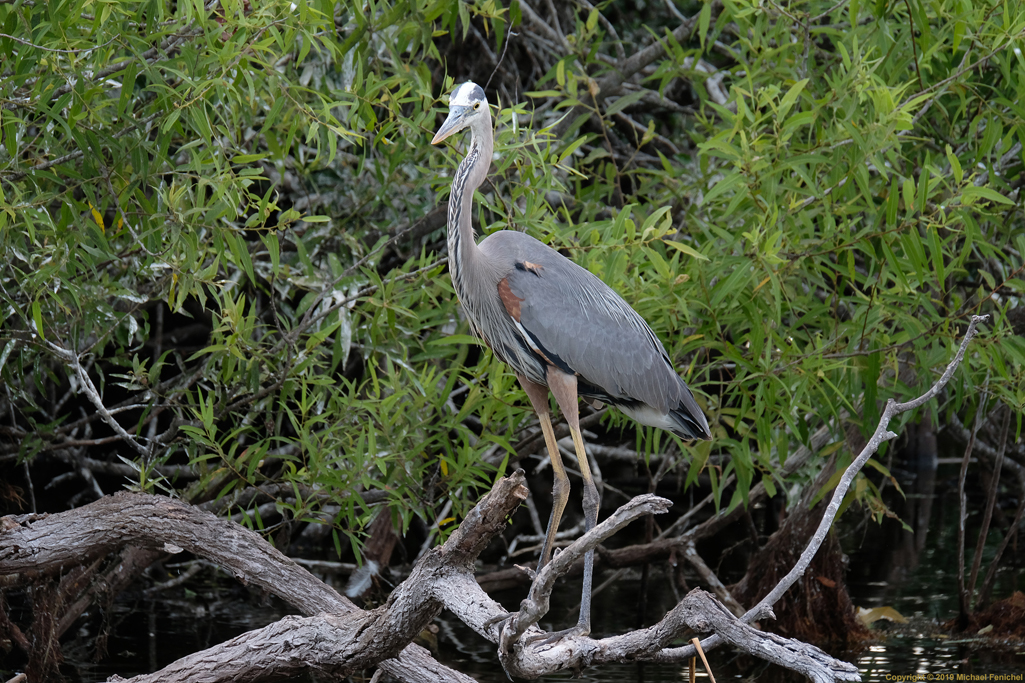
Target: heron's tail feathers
(688,418)
(690,426)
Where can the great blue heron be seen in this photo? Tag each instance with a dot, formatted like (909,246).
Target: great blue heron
(558,326)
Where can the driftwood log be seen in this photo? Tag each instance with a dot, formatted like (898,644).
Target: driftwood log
(337,638)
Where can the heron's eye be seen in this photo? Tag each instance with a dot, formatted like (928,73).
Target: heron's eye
(476,106)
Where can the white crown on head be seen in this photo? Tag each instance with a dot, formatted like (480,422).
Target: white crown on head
(466,94)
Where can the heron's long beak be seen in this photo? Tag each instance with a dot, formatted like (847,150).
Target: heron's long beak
(453,124)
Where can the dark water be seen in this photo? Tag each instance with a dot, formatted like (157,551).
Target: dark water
(914,573)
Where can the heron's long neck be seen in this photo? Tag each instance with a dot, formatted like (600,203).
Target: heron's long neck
(464,256)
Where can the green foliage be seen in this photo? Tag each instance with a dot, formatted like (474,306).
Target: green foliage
(248,171)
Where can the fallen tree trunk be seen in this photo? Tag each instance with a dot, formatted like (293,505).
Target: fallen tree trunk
(34,548)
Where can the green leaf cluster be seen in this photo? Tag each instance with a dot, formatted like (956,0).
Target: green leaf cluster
(220,209)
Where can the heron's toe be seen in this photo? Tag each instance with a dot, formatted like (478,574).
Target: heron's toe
(556,636)
(500,619)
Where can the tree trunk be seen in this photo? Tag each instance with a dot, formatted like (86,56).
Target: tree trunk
(818,607)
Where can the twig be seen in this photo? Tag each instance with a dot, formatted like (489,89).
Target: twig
(29,486)
(195,567)
(829,11)
(505,48)
(611,83)
(617,43)
(309,318)
(980,544)
(542,25)
(71,358)
(555,21)
(53,49)
(1012,529)
(169,44)
(960,72)
(914,48)
(713,582)
(963,597)
(71,156)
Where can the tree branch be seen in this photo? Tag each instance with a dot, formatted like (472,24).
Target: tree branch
(621,71)
(344,640)
(536,604)
(764,607)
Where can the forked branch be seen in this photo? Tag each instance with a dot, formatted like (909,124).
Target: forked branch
(535,606)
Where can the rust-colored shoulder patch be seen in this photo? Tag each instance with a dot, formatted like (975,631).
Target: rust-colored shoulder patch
(509,300)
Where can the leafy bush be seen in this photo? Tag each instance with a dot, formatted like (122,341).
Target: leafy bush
(218,222)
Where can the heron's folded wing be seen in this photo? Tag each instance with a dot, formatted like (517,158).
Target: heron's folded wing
(573,315)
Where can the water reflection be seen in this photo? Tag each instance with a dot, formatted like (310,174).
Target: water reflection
(915,571)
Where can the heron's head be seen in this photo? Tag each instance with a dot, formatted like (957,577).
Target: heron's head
(467,107)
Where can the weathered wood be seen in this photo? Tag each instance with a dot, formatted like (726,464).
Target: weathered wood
(702,612)
(338,639)
(37,546)
(536,604)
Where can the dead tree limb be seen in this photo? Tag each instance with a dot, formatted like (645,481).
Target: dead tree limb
(536,605)
(340,639)
(703,613)
(39,546)
(700,611)
(339,644)
(882,433)
(530,657)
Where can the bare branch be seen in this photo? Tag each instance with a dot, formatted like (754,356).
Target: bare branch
(764,607)
(537,602)
(611,83)
(71,358)
(881,434)
(700,611)
(52,49)
(341,638)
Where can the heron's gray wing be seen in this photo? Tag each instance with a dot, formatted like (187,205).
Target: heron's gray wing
(582,322)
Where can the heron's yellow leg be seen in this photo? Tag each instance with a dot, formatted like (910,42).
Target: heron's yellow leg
(560,491)
(538,395)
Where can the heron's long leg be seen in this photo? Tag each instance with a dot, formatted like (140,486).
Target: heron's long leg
(538,395)
(564,388)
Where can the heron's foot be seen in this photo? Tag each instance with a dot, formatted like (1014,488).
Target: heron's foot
(556,636)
